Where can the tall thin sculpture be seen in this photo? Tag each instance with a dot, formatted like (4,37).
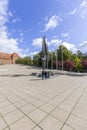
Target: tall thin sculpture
(44,53)
(44,57)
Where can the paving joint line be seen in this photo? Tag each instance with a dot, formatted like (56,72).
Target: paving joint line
(73,108)
(37,108)
(4,121)
(57,105)
(25,115)
(48,114)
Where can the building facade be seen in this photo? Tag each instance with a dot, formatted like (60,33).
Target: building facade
(6,58)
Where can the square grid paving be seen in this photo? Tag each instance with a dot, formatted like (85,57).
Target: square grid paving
(29,103)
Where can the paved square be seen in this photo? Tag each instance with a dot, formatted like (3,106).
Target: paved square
(29,103)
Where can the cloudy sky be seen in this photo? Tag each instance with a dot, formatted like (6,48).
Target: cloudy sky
(23,23)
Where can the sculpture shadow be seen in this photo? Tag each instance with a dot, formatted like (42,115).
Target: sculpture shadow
(35,79)
(14,75)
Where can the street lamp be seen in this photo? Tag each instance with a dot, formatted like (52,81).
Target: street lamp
(62,56)
(56,59)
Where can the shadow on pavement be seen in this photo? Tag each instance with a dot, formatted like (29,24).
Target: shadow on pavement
(35,79)
(14,75)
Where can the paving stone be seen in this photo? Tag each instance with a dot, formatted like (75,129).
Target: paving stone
(4,103)
(22,124)
(37,103)
(6,129)
(50,123)
(34,101)
(65,127)
(2,123)
(13,116)
(80,113)
(45,98)
(20,103)
(60,114)
(28,108)
(37,128)
(37,115)
(77,123)
(47,107)
(2,99)
(38,98)
(14,99)
(7,109)
(65,107)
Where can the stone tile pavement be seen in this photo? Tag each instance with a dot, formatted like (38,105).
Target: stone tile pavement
(29,103)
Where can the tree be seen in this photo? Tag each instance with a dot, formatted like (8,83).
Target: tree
(26,61)
(19,60)
(69,65)
(84,65)
(78,65)
(37,59)
(79,54)
(63,51)
(84,56)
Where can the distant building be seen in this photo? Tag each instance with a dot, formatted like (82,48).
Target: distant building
(6,58)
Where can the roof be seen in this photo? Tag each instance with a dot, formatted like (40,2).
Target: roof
(6,55)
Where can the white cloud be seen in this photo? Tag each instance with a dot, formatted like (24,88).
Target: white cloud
(34,53)
(84,3)
(7,44)
(16,20)
(65,34)
(21,39)
(84,13)
(73,12)
(3,12)
(27,50)
(10,13)
(69,46)
(21,34)
(52,22)
(55,42)
(37,42)
(83,9)
(83,46)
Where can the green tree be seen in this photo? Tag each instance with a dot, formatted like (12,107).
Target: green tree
(64,52)
(79,54)
(77,64)
(19,60)
(37,59)
(26,61)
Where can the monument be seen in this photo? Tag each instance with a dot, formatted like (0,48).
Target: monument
(44,58)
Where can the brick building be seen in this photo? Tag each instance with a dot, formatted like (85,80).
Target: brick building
(6,58)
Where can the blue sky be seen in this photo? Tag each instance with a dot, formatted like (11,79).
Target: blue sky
(23,23)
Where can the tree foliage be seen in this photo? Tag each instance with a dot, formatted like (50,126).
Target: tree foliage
(26,61)
(37,59)
(63,51)
(84,65)
(75,62)
(69,65)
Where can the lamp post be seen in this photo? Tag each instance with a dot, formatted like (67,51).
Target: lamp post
(62,56)
(56,60)
(52,60)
